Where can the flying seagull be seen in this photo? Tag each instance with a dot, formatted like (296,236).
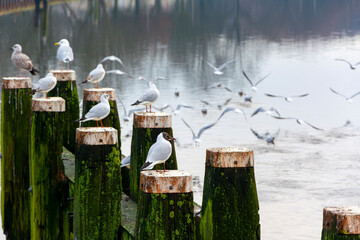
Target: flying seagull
(299,121)
(271,111)
(174,111)
(127,115)
(348,99)
(287,98)
(96,75)
(119,72)
(352,66)
(254,86)
(22,61)
(268,137)
(64,53)
(149,97)
(217,70)
(45,84)
(112,58)
(98,112)
(159,152)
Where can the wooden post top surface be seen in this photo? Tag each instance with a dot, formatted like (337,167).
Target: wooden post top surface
(97,136)
(94,94)
(152,120)
(171,181)
(64,75)
(50,104)
(229,157)
(344,220)
(16,82)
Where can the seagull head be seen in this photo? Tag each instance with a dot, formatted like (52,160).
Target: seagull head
(16,48)
(104,97)
(100,66)
(50,74)
(63,42)
(166,136)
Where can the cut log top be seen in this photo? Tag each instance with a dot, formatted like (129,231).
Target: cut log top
(344,220)
(229,157)
(16,82)
(64,75)
(171,181)
(51,104)
(152,120)
(97,136)
(94,94)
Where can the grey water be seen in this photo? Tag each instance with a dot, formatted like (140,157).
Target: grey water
(296,41)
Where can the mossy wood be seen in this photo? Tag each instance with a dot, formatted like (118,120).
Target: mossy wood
(67,89)
(15,142)
(125,177)
(142,139)
(50,186)
(230,202)
(97,192)
(330,235)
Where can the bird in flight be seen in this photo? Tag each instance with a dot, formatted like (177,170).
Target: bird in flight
(287,98)
(348,99)
(217,70)
(352,66)
(254,85)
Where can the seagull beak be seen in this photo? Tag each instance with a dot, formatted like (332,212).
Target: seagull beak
(11,48)
(172,139)
(57,44)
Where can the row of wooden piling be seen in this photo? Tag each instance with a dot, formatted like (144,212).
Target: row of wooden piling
(40,202)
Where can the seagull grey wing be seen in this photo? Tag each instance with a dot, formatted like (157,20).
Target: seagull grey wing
(158,152)
(192,131)
(282,118)
(225,64)
(113,58)
(337,93)
(354,95)
(226,110)
(65,54)
(205,102)
(98,111)
(303,95)
(182,105)
(211,65)
(356,63)
(276,111)
(149,96)
(96,74)
(125,161)
(271,95)
(123,107)
(247,78)
(131,111)
(205,128)
(320,129)
(256,134)
(22,61)
(228,89)
(262,79)
(343,60)
(260,109)
(46,84)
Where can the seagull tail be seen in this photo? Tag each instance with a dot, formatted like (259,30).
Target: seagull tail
(32,92)
(84,82)
(146,166)
(81,119)
(33,71)
(136,103)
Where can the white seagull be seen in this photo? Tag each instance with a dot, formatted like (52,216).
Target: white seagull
(112,58)
(64,53)
(45,84)
(352,66)
(98,112)
(159,152)
(127,115)
(287,98)
(271,111)
(299,121)
(254,86)
(268,137)
(174,111)
(149,97)
(217,70)
(22,61)
(119,72)
(96,75)
(348,99)
(125,161)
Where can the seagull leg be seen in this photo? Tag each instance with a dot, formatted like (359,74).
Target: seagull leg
(68,65)
(164,167)
(46,95)
(97,123)
(156,167)
(101,123)
(150,108)
(146,108)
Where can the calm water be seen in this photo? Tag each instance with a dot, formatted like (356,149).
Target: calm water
(295,41)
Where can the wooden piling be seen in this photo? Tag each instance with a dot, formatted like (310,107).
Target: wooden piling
(97,212)
(165,206)
(50,187)
(146,128)
(15,142)
(67,89)
(230,203)
(341,223)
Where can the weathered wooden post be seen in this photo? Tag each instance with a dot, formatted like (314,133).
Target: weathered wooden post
(341,223)
(92,97)
(15,142)
(66,88)
(230,203)
(97,212)
(146,128)
(50,187)
(165,206)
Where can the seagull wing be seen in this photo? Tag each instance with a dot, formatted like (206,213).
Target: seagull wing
(303,95)
(112,58)
(192,131)
(158,152)
(257,83)
(260,109)
(149,96)
(248,78)
(123,107)
(65,54)
(228,89)
(257,134)
(228,109)
(320,129)
(355,95)
(46,83)
(211,65)
(125,161)
(182,105)
(274,110)
(99,110)
(131,111)
(96,74)
(205,128)
(225,64)
(337,93)
(205,102)
(343,60)
(271,95)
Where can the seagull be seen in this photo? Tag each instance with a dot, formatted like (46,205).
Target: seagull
(99,111)
(22,61)
(352,66)
(233,109)
(248,99)
(288,99)
(177,92)
(218,85)
(64,53)
(175,111)
(217,70)
(119,72)
(204,110)
(45,84)
(96,75)
(149,97)
(271,111)
(227,101)
(125,161)
(253,86)
(299,121)
(112,58)
(348,99)
(159,152)
(126,116)
(269,138)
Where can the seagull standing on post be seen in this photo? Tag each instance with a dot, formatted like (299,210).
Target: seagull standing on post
(98,112)
(64,53)
(22,61)
(96,75)
(45,84)
(149,97)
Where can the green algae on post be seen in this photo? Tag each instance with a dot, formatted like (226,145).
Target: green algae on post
(230,203)
(97,210)
(15,141)
(146,128)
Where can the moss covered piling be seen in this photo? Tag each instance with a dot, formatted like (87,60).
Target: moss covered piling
(67,89)
(146,128)
(15,142)
(230,203)
(97,209)
(165,206)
